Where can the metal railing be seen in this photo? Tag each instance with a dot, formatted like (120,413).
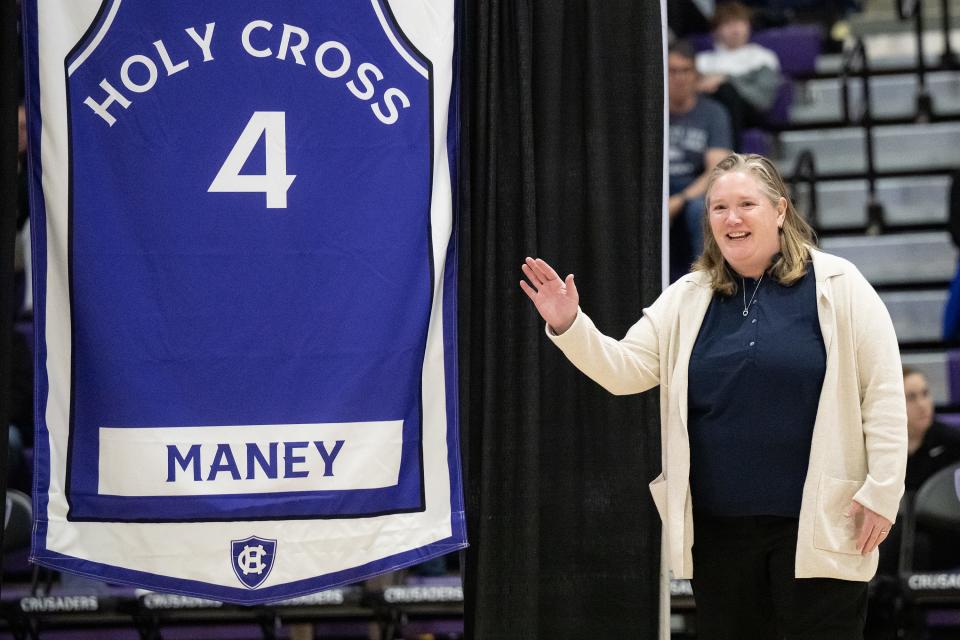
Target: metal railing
(856,62)
(913,10)
(908,9)
(948,59)
(805,173)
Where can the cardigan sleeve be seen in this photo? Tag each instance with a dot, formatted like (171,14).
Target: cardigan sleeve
(630,365)
(882,402)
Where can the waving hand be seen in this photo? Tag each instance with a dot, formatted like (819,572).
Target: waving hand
(556,300)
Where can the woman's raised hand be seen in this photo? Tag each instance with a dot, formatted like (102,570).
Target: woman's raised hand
(556,300)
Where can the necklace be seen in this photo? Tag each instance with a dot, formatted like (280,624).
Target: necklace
(743,287)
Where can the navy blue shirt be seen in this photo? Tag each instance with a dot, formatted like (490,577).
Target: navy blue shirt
(754,387)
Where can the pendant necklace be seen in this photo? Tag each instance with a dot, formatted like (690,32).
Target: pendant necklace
(743,287)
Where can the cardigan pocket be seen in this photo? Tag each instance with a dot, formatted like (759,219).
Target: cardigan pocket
(834,531)
(658,489)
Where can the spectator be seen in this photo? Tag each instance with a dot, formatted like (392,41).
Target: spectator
(931,446)
(741,75)
(700,137)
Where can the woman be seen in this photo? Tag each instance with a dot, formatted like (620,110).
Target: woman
(782,415)
(931,445)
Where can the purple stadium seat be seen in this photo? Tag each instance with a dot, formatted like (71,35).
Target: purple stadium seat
(953,376)
(755,141)
(797,46)
(443,628)
(950,419)
(700,41)
(943,618)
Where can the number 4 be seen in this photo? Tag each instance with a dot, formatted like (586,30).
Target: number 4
(275,182)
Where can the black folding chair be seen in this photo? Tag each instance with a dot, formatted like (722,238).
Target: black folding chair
(935,508)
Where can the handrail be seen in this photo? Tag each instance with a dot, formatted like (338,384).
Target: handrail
(856,56)
(907,9)
(805,171)
(949,58)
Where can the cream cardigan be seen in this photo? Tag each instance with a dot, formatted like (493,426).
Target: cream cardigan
(859,446)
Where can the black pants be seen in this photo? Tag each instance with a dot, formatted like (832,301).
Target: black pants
(744,585)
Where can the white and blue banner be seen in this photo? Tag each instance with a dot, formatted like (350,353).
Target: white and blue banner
(245,279)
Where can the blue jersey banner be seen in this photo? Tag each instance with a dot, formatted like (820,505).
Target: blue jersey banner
(245,291)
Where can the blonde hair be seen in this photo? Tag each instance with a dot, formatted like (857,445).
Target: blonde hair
(797,237)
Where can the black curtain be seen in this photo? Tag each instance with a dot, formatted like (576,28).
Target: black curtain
(561,157)
(9,99)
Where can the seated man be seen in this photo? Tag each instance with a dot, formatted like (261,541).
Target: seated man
(700,137)
(741,75)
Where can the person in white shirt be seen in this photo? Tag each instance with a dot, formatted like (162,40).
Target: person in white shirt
(742,75)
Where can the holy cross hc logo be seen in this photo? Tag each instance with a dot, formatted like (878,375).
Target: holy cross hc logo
(252,559)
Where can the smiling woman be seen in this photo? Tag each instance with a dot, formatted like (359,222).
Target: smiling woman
(783,425)
(745,223)
(751,220)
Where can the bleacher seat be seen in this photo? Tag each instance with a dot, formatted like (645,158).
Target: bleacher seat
(898,148)
(927,257)
(916,200)
(893,96)
(916,314)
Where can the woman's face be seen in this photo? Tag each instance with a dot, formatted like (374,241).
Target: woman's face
(919,403)
(745,224)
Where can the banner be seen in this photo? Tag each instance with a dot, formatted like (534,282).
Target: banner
(245,291)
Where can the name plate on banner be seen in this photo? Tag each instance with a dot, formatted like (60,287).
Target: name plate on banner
(188,461)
